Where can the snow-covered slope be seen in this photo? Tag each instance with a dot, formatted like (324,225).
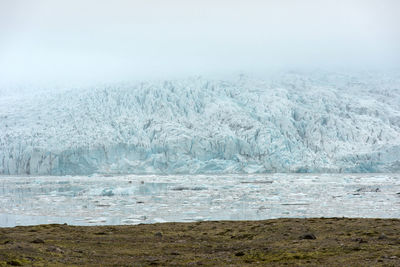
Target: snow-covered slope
(289,122)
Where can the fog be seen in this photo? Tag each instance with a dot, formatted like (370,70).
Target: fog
(97,40)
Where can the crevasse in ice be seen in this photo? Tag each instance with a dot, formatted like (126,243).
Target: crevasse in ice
(291,122)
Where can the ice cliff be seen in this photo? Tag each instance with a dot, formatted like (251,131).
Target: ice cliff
(287,122)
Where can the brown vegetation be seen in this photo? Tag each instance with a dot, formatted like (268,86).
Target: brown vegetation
(291,242)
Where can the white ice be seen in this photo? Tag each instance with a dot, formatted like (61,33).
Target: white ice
(286,122)
(133,199)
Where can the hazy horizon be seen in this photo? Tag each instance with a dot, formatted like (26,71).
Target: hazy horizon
(100,41)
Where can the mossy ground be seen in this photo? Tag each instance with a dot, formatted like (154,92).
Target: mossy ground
(339,242)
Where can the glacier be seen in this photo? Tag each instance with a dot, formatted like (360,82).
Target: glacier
(281,122)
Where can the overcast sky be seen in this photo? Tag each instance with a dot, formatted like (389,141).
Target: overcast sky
(99,40)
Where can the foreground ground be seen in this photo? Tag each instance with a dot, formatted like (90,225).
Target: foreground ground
(292,242)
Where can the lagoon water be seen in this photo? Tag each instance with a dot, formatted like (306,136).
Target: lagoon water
(134,199)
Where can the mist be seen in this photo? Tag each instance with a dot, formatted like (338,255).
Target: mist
(47,41)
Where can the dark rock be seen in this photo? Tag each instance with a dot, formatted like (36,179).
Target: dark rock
(382,236)
(175,253)
(239,254)
(368,189)
(15,263)
(38,241)
(153,261)
(198,188)
(360,240)
(100,233)
(308,236)
(180,188)
(158,234)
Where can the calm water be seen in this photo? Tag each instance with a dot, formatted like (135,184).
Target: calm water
(133,199)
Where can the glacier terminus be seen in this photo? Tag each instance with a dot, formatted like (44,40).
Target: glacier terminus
(284,122)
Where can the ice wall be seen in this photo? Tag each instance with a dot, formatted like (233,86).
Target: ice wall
(290,122)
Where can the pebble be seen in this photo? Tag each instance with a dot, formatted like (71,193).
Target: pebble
(38,241)
(158,234)
(382,236)
(308,236)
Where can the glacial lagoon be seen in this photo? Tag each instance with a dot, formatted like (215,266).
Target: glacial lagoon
(135,199)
